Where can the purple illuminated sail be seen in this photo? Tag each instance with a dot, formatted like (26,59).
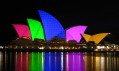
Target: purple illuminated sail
(74,33)
(22,30)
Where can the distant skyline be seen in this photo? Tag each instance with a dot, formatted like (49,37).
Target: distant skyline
(99,17)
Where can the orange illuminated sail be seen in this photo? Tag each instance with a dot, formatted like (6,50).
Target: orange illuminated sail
(97,38)
(86,37)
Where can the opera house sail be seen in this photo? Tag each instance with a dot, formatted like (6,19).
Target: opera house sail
(97,38)
(36,29)
(22,30)
(86,37)
(51,25)
(74,33)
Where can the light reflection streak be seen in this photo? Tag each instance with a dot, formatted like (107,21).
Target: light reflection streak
(109,62)
(74,61)
(22,61)
(92,61)
(70,61)
(115,62)
(86,61)
(15,61)
(102,63)
(97,62)
(36,61)
(47,61)
(1,61)
(27,61)
(5,65)
(42,61)
(58,66)
(19,62)
(62,61)
(52,64)
(55,62)
(67,61)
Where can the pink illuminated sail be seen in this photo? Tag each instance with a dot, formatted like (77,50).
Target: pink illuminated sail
(74,33)
(22,30)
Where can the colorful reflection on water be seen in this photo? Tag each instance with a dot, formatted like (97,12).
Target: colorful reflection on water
(22,61)
(74,61)
(53,61)
(59,61)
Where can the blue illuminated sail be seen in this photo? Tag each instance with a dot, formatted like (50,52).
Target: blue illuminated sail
(52,26)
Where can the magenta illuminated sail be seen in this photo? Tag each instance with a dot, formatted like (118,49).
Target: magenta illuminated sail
(22,30)
(74,33)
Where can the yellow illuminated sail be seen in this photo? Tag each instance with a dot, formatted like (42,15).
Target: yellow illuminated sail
(86,37)
(97,38)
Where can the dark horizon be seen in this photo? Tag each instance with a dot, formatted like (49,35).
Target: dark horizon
(99,17)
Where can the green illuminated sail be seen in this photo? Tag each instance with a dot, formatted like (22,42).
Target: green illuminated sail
(36,29)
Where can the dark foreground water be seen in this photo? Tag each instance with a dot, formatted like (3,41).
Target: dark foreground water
(59,61)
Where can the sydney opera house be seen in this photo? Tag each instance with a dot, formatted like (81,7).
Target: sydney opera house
(50,34)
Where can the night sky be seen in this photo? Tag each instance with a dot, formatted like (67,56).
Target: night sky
(98,16)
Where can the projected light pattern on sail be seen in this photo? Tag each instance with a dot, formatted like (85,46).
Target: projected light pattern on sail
(36,29)
(52,26)
(22,30)
(74,33)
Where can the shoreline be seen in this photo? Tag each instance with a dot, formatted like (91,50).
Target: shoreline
(56,50)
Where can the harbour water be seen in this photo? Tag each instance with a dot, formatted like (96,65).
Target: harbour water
(59,61)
